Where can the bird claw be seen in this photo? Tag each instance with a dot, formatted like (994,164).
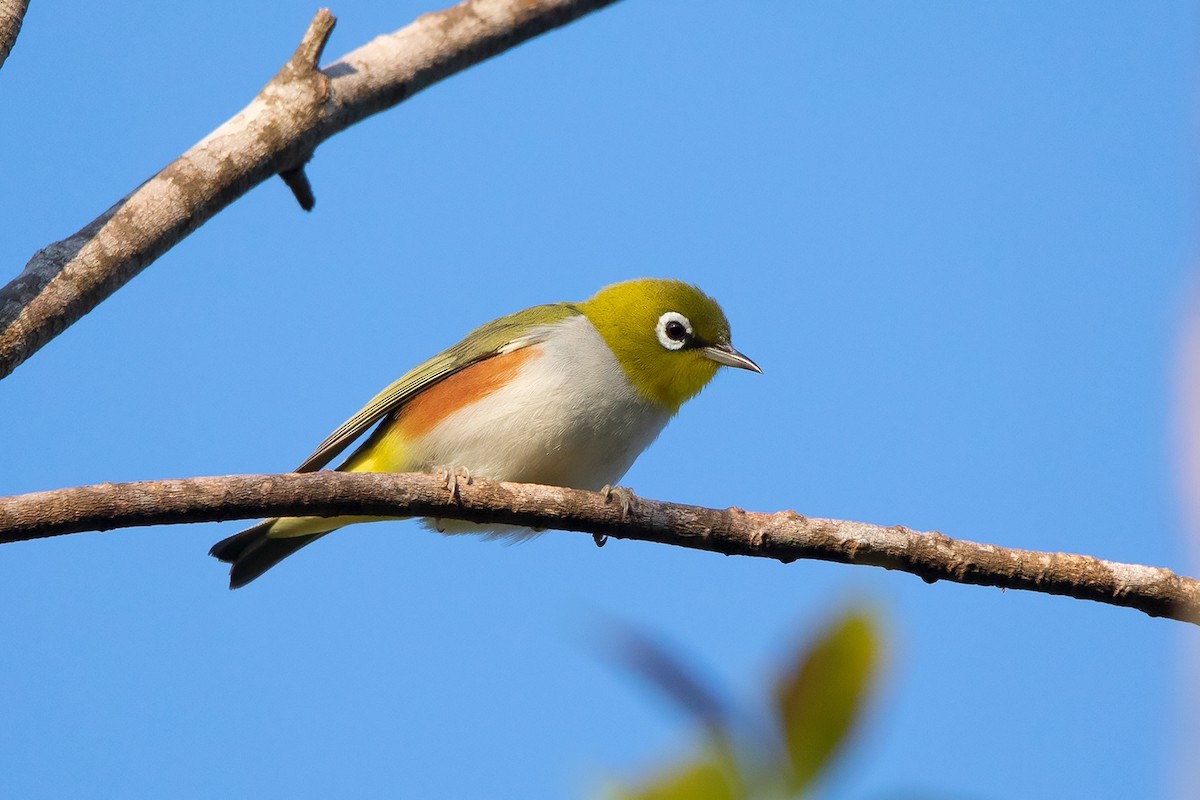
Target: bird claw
(629,504)
(629,501)
(452,477)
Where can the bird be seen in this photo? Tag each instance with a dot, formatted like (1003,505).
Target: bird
(565,394)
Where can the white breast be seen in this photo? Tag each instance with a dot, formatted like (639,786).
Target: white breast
(568,418)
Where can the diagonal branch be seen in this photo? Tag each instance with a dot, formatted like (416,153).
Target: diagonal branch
(785,536)
(12,14)
(276,134)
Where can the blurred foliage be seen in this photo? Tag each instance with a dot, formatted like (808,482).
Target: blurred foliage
(818,699)
(701,780)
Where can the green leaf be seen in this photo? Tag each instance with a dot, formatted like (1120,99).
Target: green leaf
(819,699)
(702,780)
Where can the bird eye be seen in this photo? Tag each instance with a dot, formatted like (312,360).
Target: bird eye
(673,330)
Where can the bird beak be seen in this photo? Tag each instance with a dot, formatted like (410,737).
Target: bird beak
(725,354)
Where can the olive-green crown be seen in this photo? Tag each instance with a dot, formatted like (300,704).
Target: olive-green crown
(628,316)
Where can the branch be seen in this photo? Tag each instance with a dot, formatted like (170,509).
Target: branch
(12,13)
(785,536)
(276,134)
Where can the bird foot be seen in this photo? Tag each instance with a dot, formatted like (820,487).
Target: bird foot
(628,501)
(625,495)
(453,475)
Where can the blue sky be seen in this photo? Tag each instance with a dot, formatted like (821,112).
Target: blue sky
(957,237)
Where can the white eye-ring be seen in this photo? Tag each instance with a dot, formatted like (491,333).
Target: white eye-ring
(673,330)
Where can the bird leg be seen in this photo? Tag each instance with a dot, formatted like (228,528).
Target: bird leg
(452,476)
(629,501)
(629,504)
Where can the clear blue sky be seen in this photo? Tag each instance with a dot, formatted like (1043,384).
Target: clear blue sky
(956,236)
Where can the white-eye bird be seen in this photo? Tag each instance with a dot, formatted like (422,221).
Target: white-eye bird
(566,394)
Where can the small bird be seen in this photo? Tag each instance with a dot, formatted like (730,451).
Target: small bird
(567,394)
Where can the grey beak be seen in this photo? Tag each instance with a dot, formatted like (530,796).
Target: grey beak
(725,354)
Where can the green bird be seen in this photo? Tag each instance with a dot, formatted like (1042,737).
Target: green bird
(567,394)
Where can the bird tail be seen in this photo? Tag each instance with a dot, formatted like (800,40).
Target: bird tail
(252,551)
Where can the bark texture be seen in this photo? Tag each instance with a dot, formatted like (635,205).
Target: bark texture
(12,14)
(784,536)
(276,134)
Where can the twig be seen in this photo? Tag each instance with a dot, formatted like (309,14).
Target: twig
(12,14)
(277,133)
(305,65)
(785,536)
(297,180)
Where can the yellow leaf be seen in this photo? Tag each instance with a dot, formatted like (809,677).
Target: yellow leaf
(702,780)
(819,699)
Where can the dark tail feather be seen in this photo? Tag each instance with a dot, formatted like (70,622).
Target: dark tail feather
(252,553)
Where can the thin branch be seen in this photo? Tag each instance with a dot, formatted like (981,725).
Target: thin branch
(12,14)
(785,536)
(307,57)
(276,134)
(305,64)
(297,180)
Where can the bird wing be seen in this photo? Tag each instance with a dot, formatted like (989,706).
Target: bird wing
(499,336)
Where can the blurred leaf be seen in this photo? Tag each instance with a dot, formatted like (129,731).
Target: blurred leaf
(703,780)
(819,700)
(715,776)
(667,672)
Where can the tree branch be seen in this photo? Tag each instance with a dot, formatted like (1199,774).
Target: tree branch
(12,14)
(276,134)
(785,536)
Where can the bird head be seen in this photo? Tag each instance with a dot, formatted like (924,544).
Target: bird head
(668,336)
